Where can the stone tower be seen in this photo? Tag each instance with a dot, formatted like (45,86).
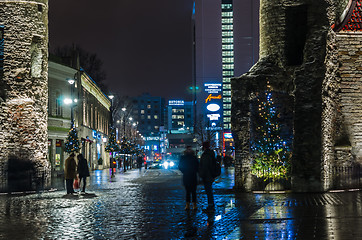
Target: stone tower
(298,60)
(23,94)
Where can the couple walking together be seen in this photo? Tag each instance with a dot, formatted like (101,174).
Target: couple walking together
(71,169)
(190,166)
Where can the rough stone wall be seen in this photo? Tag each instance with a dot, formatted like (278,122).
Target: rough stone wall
(350,70)
(23,111)
(311,84)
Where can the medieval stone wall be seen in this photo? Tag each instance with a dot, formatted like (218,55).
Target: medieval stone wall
(23,111)
(307,72)
(350,71)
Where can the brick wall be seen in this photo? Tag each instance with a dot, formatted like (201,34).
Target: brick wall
(350,71)
(23,111)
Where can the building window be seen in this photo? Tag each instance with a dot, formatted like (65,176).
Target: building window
(148,106)
(58,104)
(148,116)
(296,34)
(142,111)
(227,119)
(155,117)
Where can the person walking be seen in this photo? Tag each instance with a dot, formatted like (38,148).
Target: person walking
(70,173)
(139,162)
(83,171)
(205,171)
(189,166)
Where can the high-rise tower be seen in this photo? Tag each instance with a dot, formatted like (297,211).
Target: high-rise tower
(226,46)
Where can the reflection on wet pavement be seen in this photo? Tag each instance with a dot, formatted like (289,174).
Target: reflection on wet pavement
(150,205)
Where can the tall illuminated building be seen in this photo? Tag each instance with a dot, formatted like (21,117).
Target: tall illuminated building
(226,45)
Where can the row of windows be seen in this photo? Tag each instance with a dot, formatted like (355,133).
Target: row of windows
(149,117)
(228,40)
(227,34)
(227,126)
(231,47)
(148,106)
(228,66)
(178,117)
(143,111)
(227,27)
(227,105)
(227,53)
(227,21)
(227,100)
(226,80)
(226,6)
(228,73)
(227,13)
(227,113)
(226,86)
(228,60)
(174,110)
(227,93)
(227,119)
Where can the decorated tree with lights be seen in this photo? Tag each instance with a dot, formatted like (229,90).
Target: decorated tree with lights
(72,143)
(112,145)
(271,152)
(125,146)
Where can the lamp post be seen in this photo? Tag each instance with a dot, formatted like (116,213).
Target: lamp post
(111,132)
(71,82)
(124,121)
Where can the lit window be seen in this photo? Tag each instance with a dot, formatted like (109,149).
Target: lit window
(227,93)
(142,111)
(149,106)
(226,86)
(148,116)
(155,117)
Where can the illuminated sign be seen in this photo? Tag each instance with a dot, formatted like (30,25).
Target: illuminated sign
(228,135)
(211,88)
(213,117)
(176,102)
(213,107)
(210,97)
(152,138)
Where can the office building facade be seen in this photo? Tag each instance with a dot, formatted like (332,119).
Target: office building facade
(225,46)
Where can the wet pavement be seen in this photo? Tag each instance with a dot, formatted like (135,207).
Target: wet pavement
(150,205)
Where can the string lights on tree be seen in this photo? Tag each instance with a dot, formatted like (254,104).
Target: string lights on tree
(72,143)
(271,152)
(112,145)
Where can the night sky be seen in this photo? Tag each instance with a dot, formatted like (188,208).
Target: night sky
(145,45)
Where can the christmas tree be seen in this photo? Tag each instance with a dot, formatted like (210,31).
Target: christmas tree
(271,152)
(112,145)
(72,143)
(125,146)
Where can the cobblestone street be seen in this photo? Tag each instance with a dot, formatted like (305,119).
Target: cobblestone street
(150,205)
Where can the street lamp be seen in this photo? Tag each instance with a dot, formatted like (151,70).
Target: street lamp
(71,82)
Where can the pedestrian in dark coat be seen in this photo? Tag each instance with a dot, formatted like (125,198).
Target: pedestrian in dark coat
(189,166)
(83,171)
(205,172)
(139,162)
(70,173)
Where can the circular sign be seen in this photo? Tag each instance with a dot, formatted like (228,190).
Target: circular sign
(213,107)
